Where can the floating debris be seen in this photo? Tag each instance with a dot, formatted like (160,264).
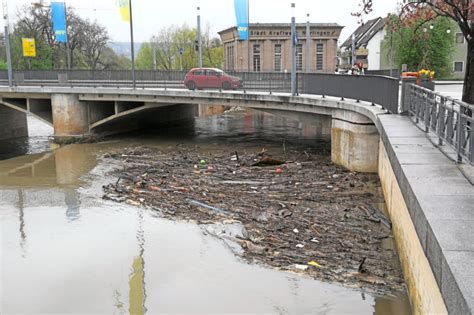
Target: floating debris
(311,214)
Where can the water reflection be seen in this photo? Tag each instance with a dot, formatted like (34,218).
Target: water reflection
(21,210)
(60,236)
(137,278)
(73,203)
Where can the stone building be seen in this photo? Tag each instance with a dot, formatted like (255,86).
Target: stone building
(270,48)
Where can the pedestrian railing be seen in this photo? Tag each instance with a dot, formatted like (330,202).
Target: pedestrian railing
(378,90)
(451,120)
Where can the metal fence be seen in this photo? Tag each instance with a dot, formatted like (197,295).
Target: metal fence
(375,89)
(451,120)
(394,73)
(379,90)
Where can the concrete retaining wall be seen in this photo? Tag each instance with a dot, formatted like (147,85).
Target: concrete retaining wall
(13,124)
(423,290)
(428,195)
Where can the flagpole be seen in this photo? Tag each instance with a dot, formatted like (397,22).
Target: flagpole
(248,36)
(132,44)
(293,50)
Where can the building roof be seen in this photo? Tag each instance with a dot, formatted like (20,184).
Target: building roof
(365,32)
(281,25)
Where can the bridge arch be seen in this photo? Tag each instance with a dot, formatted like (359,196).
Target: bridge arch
(84,111)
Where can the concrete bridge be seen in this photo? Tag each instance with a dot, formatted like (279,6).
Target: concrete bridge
(79,112)
(430,200)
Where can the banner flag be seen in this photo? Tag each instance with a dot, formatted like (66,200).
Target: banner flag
(29,47)
(58,12)
(242,16)
(124,10)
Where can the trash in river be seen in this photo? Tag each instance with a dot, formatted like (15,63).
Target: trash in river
(300,267)
(200,204)
(305,216)
(268,161)
(314,264)
(279,170)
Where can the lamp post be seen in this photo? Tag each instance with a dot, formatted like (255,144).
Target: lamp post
(7,43)
(199,37)
(308,46)
(132,45)
(293,50)
(153,46)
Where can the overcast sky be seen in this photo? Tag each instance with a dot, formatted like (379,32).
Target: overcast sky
(151,15)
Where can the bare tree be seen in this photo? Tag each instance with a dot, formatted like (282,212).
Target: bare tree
(93,41)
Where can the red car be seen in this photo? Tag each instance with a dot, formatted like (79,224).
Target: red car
(201,78)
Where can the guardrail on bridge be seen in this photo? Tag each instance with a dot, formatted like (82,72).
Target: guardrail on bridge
(451,120)
(380,90)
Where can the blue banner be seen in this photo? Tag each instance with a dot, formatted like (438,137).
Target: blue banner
(242,15)
(58,12)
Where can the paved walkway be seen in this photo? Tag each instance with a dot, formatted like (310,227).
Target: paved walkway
(441,203)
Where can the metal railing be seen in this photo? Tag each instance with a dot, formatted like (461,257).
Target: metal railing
(451,120)
(379,90)
(374,89)
(394,73)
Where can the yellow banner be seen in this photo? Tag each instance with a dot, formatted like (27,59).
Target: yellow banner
(29,47)
(124,10)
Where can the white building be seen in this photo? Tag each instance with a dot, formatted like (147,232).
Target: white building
(368,40)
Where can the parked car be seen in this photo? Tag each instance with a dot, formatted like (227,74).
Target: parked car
(201,78)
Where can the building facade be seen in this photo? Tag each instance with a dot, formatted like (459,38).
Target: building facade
(459,55)
(368,38)
(269,48)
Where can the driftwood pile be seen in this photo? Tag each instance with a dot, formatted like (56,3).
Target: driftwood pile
(295,212)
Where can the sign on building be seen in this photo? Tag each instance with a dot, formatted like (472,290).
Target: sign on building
(29,47)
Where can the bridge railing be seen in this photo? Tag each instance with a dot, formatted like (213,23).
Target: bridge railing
(451,120)
(375,89)
(380,90)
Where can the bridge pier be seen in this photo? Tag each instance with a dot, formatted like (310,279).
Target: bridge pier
(354,142)
(13,124)
(70,117)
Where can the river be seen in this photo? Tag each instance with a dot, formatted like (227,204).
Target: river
(66,250)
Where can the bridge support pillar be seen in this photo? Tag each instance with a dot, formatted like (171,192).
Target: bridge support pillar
(354,142)
(70,117)
(13,124)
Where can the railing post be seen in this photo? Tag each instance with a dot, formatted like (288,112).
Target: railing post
(441,125)
(406,91)
(459,137)
(427,112)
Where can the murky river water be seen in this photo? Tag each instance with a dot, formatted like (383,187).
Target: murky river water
(65,250)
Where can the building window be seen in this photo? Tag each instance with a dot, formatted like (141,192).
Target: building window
(458,66)
(319,56)
(459,38)
(278,57)
(256,58)
(299,57)
(230,57)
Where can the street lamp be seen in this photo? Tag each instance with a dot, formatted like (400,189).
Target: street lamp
(132,44)
(153,46)
(293,50)
(199,37)
(7,42)
(308,46)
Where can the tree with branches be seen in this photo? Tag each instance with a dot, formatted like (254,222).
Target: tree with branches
(460,11)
